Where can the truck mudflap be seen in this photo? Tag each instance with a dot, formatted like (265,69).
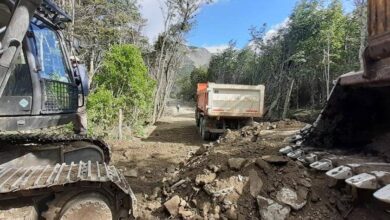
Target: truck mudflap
(17,182)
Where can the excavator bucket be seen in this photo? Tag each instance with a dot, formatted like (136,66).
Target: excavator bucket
(357,114)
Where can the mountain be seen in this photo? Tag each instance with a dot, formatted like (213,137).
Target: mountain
(199,57)
(194,57)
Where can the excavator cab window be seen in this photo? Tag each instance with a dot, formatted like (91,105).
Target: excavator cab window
(19,83)
(59,93)
(49,52)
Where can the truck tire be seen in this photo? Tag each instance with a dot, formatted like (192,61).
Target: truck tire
(205,134)
(197,118)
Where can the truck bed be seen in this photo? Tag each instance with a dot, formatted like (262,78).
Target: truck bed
(226,100)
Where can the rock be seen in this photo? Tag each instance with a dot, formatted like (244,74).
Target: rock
(203,179)
(226,187)
(274,159)
(183,203)
(290,197)
(255,183)
(302,193)
(214,168)
(203,149)
(133,173)
(156,192)
(205,209)
(173,205)
(271,210)
(217,210)
(152,206)
(314,197)
(178,183)
(305,183)
(171,169)
(263,165)
(231,213)
(236,163)
(185,214)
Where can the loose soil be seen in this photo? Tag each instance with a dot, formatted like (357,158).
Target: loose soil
(173,164)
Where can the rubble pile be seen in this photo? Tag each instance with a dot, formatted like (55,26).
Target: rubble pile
(242,176)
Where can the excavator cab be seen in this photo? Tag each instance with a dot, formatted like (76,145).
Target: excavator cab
(39,88)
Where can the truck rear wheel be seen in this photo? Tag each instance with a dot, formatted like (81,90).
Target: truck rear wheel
(197,118)
(205,134)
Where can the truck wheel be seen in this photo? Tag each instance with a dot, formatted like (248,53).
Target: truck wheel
(200,125)
(205,134)
(197,118)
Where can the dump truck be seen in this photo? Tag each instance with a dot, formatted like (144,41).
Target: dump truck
(350,138)
(45,176)
(226,106)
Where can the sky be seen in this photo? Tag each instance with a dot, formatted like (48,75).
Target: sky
(225,20)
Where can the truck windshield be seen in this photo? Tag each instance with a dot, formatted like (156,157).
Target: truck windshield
(49,52)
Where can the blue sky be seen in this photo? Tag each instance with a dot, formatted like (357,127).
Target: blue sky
(228,20)
(225,20)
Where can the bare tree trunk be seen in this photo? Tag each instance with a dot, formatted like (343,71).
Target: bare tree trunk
(91,67)
(287,100)
(362,4)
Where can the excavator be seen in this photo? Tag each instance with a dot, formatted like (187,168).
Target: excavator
(350,138)
(46,176)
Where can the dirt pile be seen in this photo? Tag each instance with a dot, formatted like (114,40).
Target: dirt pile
(242,176)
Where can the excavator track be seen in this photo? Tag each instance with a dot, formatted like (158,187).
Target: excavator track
(40,182)
(42,139)
(19,182)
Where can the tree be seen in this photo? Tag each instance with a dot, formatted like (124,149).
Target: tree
(165,59)
(297,63)
(123,82)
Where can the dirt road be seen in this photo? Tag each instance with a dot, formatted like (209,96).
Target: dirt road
(147,161)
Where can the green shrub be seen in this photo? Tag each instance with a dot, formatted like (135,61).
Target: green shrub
(123,83)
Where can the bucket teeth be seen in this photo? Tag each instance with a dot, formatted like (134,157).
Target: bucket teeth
(340,173)
(308,159)
(383,194)
(286,150)
(322,165)
(296,138)
(295,154)
(363,181)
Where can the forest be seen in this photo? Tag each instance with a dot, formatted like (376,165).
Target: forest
(298,63)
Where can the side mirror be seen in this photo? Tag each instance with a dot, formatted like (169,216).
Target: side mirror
(84,79)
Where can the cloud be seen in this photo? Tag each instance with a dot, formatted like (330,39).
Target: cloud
(217,48)
(273,32)
(152,11)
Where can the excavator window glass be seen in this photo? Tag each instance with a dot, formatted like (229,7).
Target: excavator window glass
(59,93)
(49,53)
(19,83)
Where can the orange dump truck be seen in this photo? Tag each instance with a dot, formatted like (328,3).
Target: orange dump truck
(225,106)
